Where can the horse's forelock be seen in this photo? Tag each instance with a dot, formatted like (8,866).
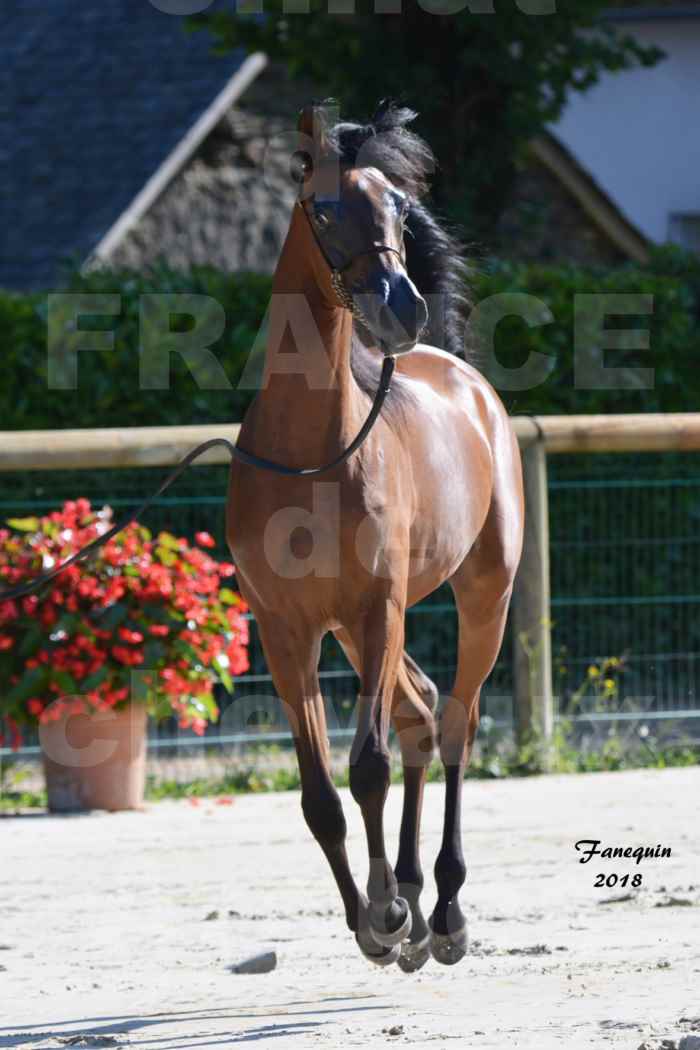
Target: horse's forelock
(386,144)
(435,260)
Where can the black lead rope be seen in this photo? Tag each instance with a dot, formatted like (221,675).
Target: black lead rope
(240,454)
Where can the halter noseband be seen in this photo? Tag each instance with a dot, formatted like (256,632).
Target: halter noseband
(343,293)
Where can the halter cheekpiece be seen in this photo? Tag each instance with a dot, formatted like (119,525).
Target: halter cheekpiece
(343,293)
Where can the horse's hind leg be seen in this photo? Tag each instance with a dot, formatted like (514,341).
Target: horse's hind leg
(415,699)
(482,588)
(481,632)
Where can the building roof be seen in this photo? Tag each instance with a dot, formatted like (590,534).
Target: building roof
(229,206)
(592,198)
(95,99)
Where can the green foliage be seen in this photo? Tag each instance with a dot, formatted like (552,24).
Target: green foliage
(15,794)
(569,338)
(496,757)
(245,780)
(484,83)
(108,387)
(108,391)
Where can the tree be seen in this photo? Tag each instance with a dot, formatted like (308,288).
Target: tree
(483,83)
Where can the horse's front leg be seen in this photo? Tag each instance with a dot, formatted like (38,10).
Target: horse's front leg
(414,701)
(292,655)
(379,641)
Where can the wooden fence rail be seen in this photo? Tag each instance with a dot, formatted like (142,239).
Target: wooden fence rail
(165,446)
(539,436)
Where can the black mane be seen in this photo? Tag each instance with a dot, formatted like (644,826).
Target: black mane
(434,259)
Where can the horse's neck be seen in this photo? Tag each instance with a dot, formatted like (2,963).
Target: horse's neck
(309,402)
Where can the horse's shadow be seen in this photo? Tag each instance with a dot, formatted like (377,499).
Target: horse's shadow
(96,1033)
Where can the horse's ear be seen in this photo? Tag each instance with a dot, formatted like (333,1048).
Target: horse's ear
(313,125)
(306,122)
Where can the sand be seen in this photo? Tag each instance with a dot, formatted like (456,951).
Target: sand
(120,929)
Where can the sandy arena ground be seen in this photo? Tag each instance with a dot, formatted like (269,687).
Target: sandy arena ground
(105,940)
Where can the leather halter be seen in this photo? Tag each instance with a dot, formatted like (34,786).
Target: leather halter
(343,293)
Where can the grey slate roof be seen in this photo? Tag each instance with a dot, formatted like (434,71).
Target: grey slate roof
(94,94)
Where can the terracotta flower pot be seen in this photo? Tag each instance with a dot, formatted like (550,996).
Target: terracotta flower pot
(95,761)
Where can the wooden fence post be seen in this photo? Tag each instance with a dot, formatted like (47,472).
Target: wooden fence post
(534,706)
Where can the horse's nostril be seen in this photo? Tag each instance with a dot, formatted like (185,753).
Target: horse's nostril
(387,316)
(421,314)
(394,309)
(409,312)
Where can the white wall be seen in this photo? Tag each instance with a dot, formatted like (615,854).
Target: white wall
(638,132)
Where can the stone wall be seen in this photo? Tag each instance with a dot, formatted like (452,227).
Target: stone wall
(544,222)
(230,206)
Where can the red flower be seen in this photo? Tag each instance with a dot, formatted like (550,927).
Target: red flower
(130,657)
(87,587)
(237,658)
(204,539)
(8,611)
(130,571)
(134,637)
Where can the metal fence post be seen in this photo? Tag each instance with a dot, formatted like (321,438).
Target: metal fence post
(534,706)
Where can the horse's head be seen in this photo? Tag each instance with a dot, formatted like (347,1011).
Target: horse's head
(358,216)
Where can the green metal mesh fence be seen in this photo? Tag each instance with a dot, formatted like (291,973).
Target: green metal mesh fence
(625,564)
(625,572)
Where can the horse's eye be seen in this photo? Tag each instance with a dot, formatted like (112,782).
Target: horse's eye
(300,166)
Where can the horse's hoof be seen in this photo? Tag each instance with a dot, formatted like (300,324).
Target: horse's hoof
(377,953)
(413,956)
(449,948)
(387,937)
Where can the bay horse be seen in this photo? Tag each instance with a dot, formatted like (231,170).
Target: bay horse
(433,494)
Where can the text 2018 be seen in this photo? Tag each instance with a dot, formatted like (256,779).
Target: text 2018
(618,880)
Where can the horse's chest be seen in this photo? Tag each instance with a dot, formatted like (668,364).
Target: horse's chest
(308,530)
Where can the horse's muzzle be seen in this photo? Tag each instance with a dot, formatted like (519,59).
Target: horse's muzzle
(394,311)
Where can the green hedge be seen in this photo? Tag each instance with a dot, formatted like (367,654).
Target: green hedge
(108,392)
(672,278)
